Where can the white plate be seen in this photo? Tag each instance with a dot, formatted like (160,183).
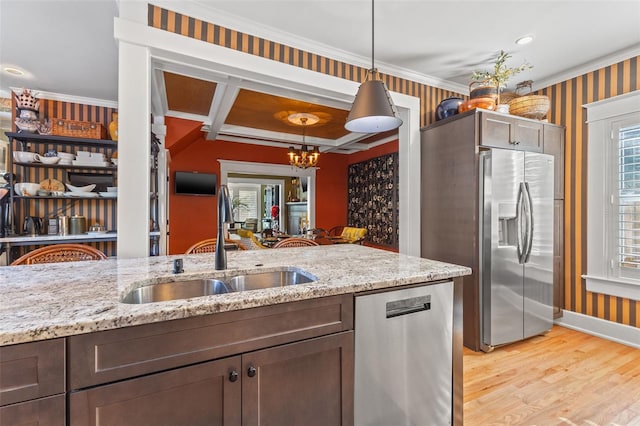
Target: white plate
(81,194)
(108,194)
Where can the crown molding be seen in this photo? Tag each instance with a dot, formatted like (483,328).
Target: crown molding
(588,67)
(41,94)
(208,12)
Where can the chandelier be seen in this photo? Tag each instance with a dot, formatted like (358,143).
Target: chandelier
(307,156)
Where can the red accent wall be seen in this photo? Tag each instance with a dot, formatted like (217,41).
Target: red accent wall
(192,219)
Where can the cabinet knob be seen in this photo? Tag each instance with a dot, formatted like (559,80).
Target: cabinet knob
(251,371)
(233,376)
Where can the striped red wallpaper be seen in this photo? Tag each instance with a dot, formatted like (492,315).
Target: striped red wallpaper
(567,99)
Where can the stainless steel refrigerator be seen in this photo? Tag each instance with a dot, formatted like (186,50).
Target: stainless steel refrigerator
(516,245)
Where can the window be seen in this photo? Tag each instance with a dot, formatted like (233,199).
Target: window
(613,197)
(245,201)
(627,203)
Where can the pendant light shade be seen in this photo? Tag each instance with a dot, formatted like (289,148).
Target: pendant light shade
(373,110)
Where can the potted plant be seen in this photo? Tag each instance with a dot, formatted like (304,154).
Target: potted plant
(236,205)
(500,74)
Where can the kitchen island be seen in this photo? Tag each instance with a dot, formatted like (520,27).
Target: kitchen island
(111,348)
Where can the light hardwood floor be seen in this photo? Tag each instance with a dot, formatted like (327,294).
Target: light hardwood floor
(563,378)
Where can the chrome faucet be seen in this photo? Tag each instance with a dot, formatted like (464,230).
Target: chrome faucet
(225,215)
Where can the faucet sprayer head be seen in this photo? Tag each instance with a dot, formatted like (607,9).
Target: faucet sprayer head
(225,213)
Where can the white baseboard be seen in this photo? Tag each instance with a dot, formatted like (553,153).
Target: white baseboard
(609,330)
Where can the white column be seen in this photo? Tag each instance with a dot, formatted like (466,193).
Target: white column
(409,157)
(134,149)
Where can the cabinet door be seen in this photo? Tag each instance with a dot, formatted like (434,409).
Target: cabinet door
(203,394)
(554,145)
(41,412)
(306,383)
(558,258)
(503,131)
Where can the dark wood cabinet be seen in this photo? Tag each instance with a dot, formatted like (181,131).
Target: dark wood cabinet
(554,145)
(203,394)
(504,131)
(305,383)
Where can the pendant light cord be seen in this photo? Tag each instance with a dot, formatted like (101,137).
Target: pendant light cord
(372,36)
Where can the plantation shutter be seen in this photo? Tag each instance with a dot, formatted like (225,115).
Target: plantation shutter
(628,207)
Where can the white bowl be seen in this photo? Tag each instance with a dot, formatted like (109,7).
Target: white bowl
(66,156)
(87,188)
(24,156)
(27,189)
(47,160)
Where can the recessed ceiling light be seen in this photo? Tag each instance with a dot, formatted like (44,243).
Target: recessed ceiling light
(524,39)
(14,71)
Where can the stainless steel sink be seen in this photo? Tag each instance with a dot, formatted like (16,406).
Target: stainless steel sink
(176,290)
(262,280)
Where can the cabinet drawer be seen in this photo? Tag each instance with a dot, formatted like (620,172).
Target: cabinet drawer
(118,354)
(511,133)
(49,411)
(31,370)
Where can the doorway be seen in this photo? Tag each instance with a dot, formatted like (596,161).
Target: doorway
(257,197)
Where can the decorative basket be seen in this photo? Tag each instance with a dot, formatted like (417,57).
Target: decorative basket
(506,97)
(530,106)
(78,129)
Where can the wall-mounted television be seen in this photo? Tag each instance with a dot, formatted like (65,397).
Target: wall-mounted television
(195,183)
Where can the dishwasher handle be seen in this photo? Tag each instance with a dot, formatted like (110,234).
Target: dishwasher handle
(408,306)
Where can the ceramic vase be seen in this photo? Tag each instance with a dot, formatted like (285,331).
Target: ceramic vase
(113,127)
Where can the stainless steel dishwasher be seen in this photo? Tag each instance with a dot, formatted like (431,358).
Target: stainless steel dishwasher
(403,357)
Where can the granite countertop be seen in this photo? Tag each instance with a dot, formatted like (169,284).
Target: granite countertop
(45,301)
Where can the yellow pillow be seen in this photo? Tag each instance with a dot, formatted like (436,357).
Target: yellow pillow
(353,234)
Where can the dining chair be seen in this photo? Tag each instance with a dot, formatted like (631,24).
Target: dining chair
(209,246)
(250,240)
(335,231)
(295,242)
(60,253)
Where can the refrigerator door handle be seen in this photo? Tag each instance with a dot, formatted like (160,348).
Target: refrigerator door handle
(519,207)
(528,206)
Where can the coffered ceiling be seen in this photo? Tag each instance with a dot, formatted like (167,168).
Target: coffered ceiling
(231,109)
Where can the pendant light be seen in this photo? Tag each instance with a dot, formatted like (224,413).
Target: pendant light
(373,110)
